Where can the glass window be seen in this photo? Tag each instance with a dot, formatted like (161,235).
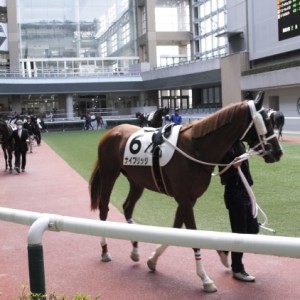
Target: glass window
(178,15)
(196,12)
(113,43)
(211,95)
(125,34)
(64,28)
(211,21)
(217,94)
(144,20)
(204,96)
(104,49)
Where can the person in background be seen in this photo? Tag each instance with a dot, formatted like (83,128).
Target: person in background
(29,126)
(176,118)
(20,136)
(238,203)
(100,123)
(88,122)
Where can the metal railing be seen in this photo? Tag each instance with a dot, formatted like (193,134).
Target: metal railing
(65,73)
(259,244)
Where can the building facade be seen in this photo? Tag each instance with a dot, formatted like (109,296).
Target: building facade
(123,55)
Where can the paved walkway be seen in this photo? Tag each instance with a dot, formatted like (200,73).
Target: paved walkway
(72,262)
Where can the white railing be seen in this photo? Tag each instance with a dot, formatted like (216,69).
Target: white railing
(260,244)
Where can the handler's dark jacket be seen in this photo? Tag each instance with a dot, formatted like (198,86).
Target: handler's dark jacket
(20,142)
(231,178)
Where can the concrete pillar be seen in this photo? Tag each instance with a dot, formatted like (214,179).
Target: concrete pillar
(231,69)
(69,106)
(151,34)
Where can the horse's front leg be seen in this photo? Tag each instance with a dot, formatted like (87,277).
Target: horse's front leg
(208,284)
(5,159)
(185,215)
(10,157)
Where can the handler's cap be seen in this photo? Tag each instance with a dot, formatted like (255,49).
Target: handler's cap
(19,122)
(176,109)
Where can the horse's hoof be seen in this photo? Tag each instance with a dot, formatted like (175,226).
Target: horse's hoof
(151,265)
(105,257)
(135,256)
(209,287)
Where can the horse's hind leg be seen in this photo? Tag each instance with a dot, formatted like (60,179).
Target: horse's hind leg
(134,195)
(108,182)
(152,260)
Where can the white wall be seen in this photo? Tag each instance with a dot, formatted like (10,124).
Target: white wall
(288,98)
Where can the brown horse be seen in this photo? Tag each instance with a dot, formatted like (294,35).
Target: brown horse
(184,179)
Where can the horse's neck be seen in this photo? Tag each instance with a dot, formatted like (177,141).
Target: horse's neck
(215,145)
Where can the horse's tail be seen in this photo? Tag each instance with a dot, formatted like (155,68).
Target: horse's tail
(95,186)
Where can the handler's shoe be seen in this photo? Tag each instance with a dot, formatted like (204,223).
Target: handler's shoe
(243,276)
(224,258)
(17,169)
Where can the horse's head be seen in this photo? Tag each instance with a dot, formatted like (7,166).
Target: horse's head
(260,134)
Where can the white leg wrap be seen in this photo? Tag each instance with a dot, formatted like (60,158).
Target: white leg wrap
(208,284)
(105,255)
(135,256)
(103,242)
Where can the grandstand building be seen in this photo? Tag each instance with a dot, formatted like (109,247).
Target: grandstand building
(123,56)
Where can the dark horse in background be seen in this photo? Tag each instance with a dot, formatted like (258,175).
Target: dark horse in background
(7,143)
(153,119)
(185,179)
(277,120)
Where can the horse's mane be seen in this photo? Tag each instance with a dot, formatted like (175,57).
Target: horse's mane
(219,119)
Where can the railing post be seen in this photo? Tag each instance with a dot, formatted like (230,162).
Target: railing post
(36,271)
(36,257)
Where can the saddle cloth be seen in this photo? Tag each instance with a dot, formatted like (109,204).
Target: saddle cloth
(138,150)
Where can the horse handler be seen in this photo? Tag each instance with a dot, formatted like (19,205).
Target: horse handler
(238,203)
(21,137)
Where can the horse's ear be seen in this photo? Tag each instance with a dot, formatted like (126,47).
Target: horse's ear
(259,99)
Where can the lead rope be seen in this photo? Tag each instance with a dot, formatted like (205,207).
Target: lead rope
(249,153)
(255,207)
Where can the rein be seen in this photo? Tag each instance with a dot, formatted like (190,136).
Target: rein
(261,131)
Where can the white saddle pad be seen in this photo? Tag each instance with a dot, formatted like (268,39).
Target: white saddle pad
(139,146)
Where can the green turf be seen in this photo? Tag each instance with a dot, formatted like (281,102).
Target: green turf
(276,187)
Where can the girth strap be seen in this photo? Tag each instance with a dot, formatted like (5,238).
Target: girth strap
(157,172)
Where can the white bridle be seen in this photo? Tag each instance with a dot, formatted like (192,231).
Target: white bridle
(260,127)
